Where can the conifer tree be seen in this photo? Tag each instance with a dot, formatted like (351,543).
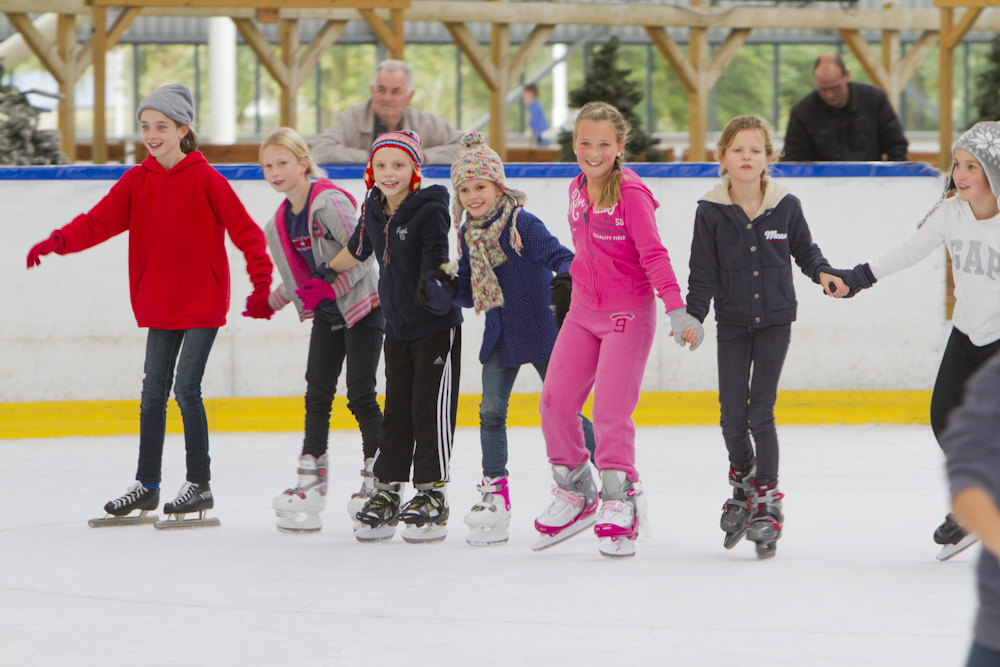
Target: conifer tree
(606,82)
(988,84)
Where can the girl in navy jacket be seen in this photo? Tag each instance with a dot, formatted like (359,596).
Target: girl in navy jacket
(746,232)
(506,264)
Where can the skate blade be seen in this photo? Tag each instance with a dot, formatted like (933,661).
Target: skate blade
(547,541)
(111,521)
(429,532)
(621,547)
(293,522)
(766,550)
(377,534)
(479,537)
(732,539)
(177,521)
(949,551)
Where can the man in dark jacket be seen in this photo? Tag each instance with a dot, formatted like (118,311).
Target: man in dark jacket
(843,121)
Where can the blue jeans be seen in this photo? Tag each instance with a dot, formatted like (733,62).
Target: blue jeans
(981,656)
(163,347)
(498,381)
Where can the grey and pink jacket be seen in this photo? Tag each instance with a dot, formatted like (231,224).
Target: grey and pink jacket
(332,218)
(620,259)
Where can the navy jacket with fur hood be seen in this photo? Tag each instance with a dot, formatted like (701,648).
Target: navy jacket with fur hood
(744,264)
(417,242)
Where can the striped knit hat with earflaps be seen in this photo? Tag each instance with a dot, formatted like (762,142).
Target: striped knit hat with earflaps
(409,143)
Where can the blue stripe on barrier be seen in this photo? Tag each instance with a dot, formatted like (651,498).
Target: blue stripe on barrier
(513,170)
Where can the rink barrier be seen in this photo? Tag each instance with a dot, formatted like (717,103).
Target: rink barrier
(698,408)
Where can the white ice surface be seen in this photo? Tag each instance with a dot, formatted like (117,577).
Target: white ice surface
(854,581)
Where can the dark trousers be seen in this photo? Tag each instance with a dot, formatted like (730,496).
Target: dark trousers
(981,656)
(961,359)
(361,345)
(421,398)
(750,362)
(188,349)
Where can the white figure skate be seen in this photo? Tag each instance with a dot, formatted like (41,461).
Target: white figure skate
(618,519)
(489,519)
(572,510)
(359,499)
(298,509)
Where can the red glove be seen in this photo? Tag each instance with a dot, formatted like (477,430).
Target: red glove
(257,306)
(52,244)
(315,290)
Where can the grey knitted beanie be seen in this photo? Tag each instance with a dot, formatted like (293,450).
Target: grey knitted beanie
(983,141)
(173,100)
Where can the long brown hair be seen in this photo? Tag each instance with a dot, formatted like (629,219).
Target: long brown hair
(189,142)
(602,111)
(736,126)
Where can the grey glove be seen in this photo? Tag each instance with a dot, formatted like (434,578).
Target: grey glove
(680,320)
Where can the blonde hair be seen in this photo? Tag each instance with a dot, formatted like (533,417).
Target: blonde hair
(602,111)
(289,139)
(736,126)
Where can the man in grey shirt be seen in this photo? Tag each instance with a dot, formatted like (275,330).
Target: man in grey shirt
(349,139)
(972,443)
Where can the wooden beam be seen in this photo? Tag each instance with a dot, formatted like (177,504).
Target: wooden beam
(50,59)
(723,55)
(65,48)
(288,38)
(869,62)
(98,51)
(121,23)
(499,53)
(698,98)
(529,47)
(918,51)
(262,49)
(326,36)
(674,56)
(946,65)
(318,4)
(397,26)
(959,31)
(479,60)
(382,32)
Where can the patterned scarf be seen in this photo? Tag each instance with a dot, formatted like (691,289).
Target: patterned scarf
(483,238)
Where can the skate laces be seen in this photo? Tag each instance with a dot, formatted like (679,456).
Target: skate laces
(135,492)
(186,494)
(381,503)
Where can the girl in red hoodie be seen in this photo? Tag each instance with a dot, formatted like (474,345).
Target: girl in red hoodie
(606,337)
(177,210)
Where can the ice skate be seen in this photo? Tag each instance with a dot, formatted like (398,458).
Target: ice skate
(379,516)
(298,509)
(953,538)
(426,514)
(571,511)
(138,497)
(489,519)
(190,499)
(358,500)
(736,510)
(765,526)
(618,519)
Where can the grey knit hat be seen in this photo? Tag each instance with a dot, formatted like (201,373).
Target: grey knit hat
(173,100)
(983,141)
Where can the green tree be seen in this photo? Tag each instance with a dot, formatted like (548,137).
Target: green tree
(988,84)
(606,82)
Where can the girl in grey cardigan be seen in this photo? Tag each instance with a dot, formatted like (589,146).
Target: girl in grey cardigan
(309,228)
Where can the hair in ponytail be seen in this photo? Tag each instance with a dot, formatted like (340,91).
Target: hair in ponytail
(602,111)
(189,142)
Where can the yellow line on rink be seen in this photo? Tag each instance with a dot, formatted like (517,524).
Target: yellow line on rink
(65,418)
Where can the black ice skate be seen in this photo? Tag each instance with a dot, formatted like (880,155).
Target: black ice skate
(765,524)
(736,510)
(190,499)
(138,497)
(426,515)
(953,538)
(380,514)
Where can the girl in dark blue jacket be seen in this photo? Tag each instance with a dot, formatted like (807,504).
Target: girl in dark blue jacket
(406,228)
(506,264)
(746,232)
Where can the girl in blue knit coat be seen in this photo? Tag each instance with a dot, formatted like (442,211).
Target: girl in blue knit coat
(506,264)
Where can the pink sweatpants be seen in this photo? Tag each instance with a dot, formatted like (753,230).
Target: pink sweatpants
(606,351)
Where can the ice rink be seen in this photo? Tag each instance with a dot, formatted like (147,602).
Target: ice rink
(854,581)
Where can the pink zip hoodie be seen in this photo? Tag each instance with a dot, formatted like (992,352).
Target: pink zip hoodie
(619,259)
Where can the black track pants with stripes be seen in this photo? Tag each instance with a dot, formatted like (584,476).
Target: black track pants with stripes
(421,398)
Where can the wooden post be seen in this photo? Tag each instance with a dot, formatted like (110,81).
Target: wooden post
(99,48)
(397,28)
(697,98)
(890,59)
(500,49)
(65,47)
(946,70)
(289,88)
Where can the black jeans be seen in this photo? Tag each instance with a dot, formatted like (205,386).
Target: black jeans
(163,346)
(361,345)
(750,362)
(982,656)
(961,359)
(421,399)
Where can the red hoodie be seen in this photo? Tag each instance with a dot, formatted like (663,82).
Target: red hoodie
(178,270)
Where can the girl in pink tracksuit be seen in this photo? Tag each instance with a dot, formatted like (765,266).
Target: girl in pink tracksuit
(606,338)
